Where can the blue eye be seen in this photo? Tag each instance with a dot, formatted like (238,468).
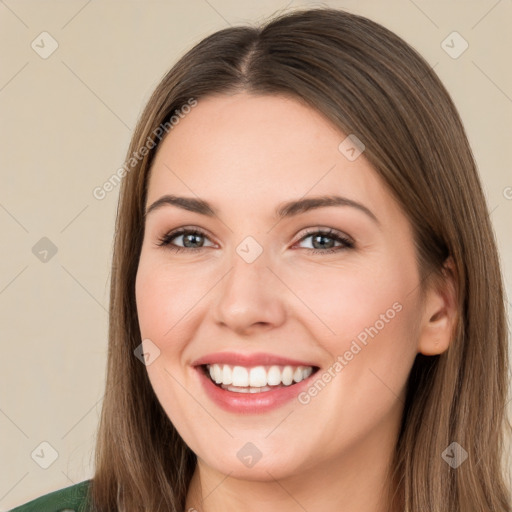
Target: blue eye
(318,235)
(187,234)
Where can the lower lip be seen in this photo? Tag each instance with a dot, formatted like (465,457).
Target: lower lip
(251,403)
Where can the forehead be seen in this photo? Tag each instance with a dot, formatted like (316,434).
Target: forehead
(258,150)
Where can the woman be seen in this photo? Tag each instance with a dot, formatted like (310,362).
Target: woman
(334,337)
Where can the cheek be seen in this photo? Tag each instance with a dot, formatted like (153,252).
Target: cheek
(153,292)
(164,296)
(375,319)
(366,319)
(341,302)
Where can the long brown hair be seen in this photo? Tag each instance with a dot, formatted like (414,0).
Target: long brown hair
(369,82)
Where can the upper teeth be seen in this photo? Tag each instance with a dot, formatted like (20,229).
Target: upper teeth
(257,376)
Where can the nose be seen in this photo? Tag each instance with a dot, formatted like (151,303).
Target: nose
(250,297)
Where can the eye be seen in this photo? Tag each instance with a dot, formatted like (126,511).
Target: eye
(194,237)
(189,236)
(319,236)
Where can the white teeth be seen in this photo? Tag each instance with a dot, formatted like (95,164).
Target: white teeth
(274,376)
(306,372)
(257,378)
(227,375)
(216,373)
(240,376)
(246,390)
(287,377)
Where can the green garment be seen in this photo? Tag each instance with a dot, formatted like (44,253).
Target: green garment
(70,499)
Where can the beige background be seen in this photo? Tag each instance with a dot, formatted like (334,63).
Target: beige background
(66,124)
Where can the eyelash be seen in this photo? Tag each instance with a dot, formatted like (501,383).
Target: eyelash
(165,241)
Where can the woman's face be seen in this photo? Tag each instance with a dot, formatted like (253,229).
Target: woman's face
(266,300)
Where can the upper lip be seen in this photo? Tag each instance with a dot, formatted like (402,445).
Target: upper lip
(256,359)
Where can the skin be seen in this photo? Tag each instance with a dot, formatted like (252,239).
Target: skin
(246,154)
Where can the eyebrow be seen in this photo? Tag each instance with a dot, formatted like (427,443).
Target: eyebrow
(287,209)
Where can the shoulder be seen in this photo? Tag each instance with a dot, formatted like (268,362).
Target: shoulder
(69,499)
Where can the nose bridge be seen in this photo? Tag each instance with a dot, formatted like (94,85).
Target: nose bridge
(247,294)
(249,271)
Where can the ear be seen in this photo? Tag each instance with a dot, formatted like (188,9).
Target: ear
(439,313)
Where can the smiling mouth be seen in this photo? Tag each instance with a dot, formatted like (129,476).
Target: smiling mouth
(256,379)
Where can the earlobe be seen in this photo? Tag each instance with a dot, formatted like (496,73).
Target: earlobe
(440,313)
